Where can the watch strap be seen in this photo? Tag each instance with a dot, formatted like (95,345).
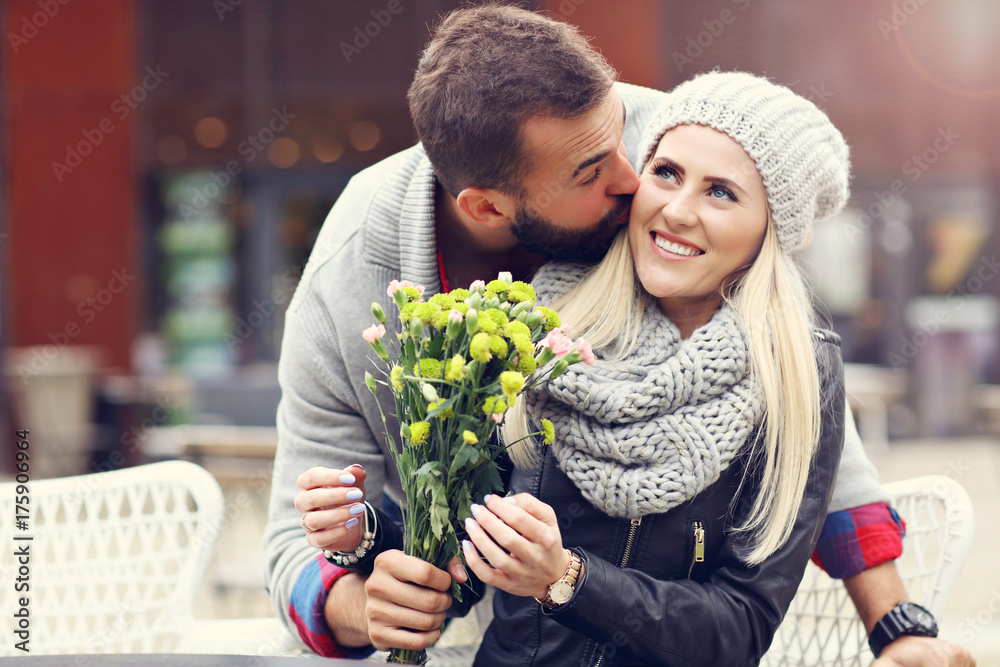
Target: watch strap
(567,581)
(898,623)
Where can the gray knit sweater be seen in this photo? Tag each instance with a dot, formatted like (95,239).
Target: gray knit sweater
(381,228)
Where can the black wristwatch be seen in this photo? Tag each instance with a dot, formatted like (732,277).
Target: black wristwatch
(906,618)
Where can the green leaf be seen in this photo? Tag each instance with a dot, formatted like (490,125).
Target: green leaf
(442,407)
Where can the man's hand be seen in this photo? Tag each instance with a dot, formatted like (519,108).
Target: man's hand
(407,600)
(924,652)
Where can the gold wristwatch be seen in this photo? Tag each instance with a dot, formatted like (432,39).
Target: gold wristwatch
(562,589)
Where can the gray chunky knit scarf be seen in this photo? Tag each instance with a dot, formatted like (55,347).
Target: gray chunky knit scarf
(647,433)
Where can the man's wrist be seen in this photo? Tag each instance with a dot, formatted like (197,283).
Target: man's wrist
(344,611)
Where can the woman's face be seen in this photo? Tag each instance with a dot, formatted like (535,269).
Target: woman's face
(699,215)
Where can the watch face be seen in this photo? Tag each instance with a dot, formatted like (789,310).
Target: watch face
(918,616)
(561,592)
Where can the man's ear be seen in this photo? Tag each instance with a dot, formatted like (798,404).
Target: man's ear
(487,207)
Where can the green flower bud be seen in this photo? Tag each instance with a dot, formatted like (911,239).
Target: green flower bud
(378,313)
(370,382)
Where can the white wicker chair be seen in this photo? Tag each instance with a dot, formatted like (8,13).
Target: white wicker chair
(116,558)
(822,628)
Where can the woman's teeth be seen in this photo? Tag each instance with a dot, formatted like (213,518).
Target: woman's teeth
(677,249)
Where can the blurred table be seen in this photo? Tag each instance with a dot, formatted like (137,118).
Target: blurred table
(871,390)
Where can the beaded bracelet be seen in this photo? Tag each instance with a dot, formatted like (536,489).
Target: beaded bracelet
(348,558)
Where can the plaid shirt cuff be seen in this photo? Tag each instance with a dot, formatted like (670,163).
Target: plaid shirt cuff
(306,610)
(858,539)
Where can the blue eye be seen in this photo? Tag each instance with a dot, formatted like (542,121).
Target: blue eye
(720,192)
(664,171)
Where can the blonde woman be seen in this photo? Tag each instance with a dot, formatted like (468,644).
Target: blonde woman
(670,521)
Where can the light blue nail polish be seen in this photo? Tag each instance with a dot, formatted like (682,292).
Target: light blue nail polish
(511,499)
(347,478)
(355,494)
(487,497)
(357,509)
(475,509)
(467,545)
(470,524)
(350,523)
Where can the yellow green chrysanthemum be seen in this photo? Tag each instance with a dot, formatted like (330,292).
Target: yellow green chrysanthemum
(511,384)
(551,318)
(459,294)
(498,346)
(455,369)
(499,317)
(548,432)
(479,347)
(470,437)
(427,312)
(494,405)
(526,364)
(522,343)
(444,414)
(514,328)
(430,368)
(406,312)
(412,293)
(419,432)
(443,301)
(521,291)
(396,378)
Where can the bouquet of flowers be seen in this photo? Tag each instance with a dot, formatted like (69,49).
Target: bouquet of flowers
(459,362)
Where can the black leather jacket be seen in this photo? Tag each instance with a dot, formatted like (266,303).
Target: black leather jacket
(670,589)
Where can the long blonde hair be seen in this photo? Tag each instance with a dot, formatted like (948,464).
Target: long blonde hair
(772,301)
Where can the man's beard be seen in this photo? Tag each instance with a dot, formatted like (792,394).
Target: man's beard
(588,246)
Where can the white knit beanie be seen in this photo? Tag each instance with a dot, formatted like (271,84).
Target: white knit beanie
(802,158)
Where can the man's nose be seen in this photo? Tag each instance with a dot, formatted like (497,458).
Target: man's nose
(625,181)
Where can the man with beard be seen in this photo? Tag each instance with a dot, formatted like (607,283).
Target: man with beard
(523,158)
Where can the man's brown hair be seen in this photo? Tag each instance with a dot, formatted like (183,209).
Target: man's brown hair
(486,70)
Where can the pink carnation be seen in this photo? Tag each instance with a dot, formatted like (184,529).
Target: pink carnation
(497,417)
(477,286)
(505,277)
(586,351)
(396,285)
(373,333)
(455,316)
(558,342)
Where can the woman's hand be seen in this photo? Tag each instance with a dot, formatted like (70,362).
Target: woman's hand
(332,504)
(519,536)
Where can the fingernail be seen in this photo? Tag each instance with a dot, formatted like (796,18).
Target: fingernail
(467,546)
(347,478)
(357,509)
(475,509)
(486,498)
(355,494)
(511,499)
(470,523)
(356,465)
(350,523)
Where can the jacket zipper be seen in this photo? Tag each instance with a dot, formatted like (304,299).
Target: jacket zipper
(626,557)
(698,555)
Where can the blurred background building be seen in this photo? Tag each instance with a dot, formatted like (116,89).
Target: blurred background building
(166,166)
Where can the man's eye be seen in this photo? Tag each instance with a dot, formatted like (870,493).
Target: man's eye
(593,179)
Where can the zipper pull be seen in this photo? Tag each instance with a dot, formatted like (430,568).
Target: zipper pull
(699,543)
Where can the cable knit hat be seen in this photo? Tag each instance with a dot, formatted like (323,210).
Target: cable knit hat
(802,158)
